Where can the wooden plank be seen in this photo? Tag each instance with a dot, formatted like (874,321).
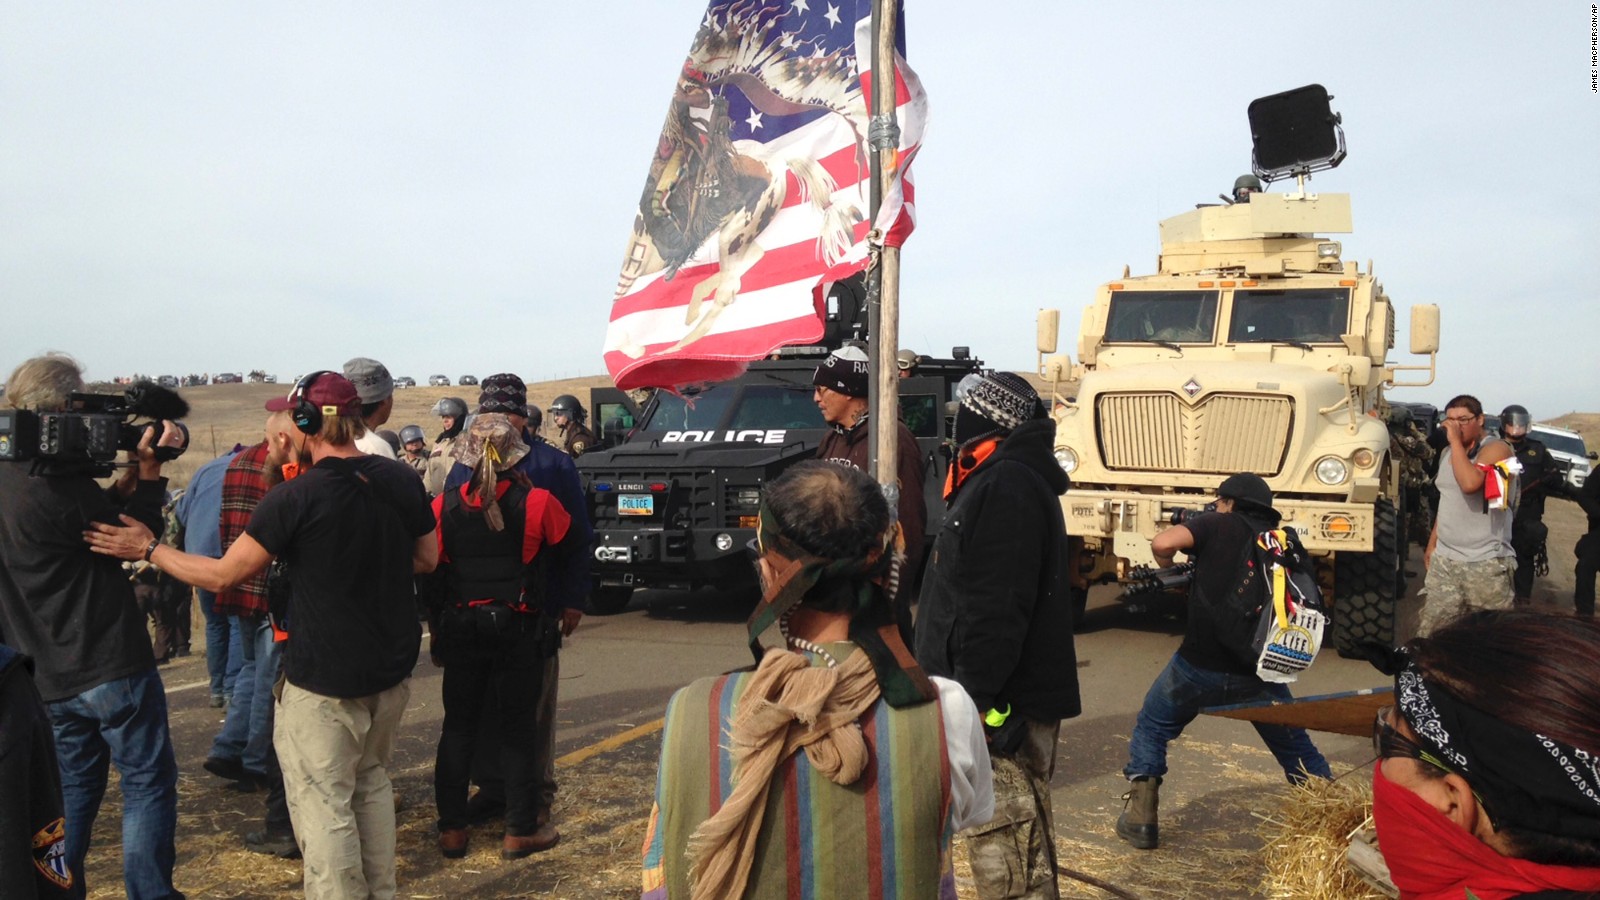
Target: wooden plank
(1350,712)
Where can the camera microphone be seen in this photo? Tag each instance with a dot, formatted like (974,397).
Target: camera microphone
(150,399)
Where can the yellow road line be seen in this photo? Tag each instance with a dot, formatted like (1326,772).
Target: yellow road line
(610,743)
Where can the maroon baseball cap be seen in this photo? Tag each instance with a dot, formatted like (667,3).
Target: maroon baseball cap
(329,390)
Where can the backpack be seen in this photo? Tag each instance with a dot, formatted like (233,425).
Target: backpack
(1274,620)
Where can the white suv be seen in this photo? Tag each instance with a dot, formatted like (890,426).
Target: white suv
(1568,449)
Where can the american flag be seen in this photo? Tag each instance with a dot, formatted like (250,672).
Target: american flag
(757,194)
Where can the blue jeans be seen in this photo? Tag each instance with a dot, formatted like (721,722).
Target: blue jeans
(224,654)
(1179,694)
(246,733)
(122,722)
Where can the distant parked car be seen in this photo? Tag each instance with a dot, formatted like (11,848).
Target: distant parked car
(167,381)
(227,378)
(405,381)
(1568,449)
(271,379)
(467,379)
(439,380)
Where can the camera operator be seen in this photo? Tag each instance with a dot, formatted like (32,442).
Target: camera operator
(74,612)
(1204,672)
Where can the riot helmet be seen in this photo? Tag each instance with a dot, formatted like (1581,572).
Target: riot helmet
(567,405)
(1244,186)
(1514,422)
(450,406)
(411,433)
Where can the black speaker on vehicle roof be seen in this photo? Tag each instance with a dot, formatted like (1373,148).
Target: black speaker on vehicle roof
(1295,133)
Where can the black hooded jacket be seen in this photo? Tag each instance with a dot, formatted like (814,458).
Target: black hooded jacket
(996,606)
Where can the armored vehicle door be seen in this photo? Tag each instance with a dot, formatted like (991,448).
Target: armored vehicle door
(613,413)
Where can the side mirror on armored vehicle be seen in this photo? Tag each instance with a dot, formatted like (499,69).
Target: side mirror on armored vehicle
(1049,328)
(1057,367)
(1425,329)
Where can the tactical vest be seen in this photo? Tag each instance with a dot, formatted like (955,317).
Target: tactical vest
(487,564)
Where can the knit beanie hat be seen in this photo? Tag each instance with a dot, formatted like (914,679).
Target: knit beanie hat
(845,371)
(503,393)
(999,401)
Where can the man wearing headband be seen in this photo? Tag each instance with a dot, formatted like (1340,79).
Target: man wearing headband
(1469,557)
(836,727)
(996,615)
(1488,778)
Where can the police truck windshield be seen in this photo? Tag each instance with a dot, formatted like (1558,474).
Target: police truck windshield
(1303,315)
(766,406)
(1180,317)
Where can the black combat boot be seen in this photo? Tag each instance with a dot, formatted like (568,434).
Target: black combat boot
(1139,824)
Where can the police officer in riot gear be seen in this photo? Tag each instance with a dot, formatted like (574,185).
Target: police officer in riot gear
(1541,476)
(568,415)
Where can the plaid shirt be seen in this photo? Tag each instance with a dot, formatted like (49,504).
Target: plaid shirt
(243,486)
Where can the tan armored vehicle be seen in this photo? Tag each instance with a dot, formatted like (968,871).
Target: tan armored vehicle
(1255,347)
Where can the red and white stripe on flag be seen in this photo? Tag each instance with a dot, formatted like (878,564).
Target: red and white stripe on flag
(762,219)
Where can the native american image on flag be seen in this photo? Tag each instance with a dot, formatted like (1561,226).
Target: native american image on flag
(758,191)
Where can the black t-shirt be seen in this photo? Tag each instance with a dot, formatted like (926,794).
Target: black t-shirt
(347,528)
(69,608)
(1221,542)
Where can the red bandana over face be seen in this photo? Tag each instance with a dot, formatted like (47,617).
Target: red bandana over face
(1433,858)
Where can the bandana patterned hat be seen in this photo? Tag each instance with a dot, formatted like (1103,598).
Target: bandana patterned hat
(1004,399)
(845,371)
(503,393)
(491,435)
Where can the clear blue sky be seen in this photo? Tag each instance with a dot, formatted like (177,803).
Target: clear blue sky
(448,187)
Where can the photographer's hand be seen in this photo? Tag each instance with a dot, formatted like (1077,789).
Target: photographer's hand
(126,541)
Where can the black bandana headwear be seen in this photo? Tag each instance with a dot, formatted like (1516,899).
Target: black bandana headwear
(872,627)
(1526,780)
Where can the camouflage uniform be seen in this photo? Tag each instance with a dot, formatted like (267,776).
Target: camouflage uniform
(1016,833)
(1452,587)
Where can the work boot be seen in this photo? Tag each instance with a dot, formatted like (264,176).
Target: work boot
(1139,823)
(276,843)
(453,842)
(516,846)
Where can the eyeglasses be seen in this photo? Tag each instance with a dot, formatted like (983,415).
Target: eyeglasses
(1461,420)
(1389,743)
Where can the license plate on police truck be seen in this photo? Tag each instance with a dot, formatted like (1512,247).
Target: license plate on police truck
(635,504)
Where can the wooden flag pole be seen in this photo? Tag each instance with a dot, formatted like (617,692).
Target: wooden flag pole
(883,286)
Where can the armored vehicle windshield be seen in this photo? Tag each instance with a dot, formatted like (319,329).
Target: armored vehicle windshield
(737,406)
(1184,317)
(1302,315)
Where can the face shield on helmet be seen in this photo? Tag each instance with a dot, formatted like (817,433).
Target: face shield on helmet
(1514,422)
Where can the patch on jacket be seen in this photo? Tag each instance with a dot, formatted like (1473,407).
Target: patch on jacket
(50,854)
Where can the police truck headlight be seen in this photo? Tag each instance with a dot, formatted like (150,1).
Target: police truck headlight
(723,542)
(1332,470)
(1067,459)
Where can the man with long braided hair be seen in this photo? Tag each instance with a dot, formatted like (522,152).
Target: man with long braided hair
(893,761)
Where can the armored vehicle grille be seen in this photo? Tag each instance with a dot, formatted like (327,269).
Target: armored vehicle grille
(1221,434)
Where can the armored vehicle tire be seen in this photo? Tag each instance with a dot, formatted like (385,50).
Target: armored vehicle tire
(609,599)
(1368,587)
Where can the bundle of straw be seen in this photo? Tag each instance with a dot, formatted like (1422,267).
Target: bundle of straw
(1307,840)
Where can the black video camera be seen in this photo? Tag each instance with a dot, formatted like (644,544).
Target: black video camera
(85,437)
(1178,515)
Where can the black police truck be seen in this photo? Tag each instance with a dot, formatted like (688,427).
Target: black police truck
(675,489)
